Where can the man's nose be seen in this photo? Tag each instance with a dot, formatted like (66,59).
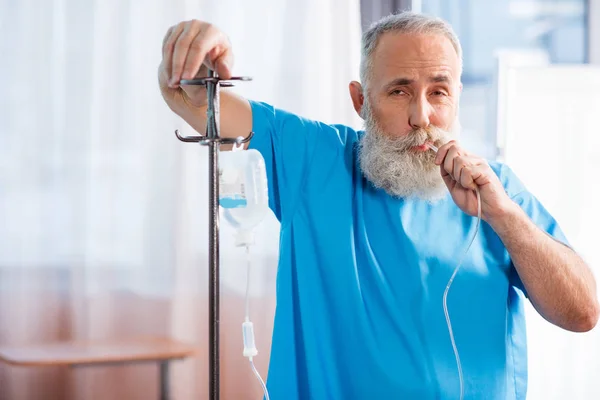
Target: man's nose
(419,113)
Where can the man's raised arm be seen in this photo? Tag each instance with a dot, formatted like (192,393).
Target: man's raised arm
(189,49)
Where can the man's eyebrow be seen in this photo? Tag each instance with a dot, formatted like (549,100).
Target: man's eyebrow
(439,79)
(399,82)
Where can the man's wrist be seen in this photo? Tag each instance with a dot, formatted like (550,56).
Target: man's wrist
(508,217)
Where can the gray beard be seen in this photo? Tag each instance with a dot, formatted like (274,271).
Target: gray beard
(389,163)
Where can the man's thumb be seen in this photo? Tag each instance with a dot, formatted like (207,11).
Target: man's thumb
(224,65)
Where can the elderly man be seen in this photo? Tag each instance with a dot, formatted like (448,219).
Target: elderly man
(374,223)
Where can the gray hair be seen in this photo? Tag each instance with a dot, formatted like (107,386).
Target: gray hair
(405,22)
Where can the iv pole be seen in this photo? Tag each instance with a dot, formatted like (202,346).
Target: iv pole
(213,140)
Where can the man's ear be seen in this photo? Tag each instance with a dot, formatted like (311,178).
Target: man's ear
(358,99)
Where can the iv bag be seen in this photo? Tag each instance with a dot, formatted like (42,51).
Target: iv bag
(243,190)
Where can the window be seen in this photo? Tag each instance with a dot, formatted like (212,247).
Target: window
(555,28)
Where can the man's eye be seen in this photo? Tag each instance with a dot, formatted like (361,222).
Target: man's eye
(397,92)
(439,93)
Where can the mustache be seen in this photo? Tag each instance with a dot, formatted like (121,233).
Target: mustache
(418,137)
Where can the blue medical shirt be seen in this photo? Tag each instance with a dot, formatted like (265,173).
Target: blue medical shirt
(362,274)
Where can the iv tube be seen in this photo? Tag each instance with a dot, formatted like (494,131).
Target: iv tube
(445,298)
(248,330)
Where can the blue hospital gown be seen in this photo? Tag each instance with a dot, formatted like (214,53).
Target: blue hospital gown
(361,277)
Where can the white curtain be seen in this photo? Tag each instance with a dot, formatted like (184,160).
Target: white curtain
(103,213)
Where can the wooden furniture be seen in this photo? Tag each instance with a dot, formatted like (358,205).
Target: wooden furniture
(97,353)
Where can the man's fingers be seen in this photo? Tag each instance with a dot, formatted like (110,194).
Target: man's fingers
(449,160)
(442,151)
(164,43)
(182,48)
(460,163)
(169,44)
(458,167)
(466,179)
(195,56)
(223,64)
(205,42)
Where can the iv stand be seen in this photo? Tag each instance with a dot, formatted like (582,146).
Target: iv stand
(213,140)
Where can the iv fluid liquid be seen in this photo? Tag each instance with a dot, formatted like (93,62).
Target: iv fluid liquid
(243,190)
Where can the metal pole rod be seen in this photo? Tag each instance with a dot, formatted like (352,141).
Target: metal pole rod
(213,140)
(164,380)
(213,232)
